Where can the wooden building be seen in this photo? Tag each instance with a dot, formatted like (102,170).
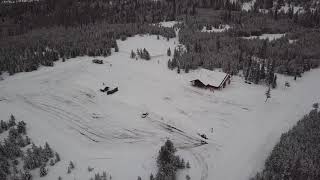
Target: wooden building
(204,78)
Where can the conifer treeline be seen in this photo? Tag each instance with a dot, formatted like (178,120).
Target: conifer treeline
(44,46)
(47,13)
(297,155)
(256,57)
(13,147)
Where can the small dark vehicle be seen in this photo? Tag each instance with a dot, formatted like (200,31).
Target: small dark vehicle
(144,115)
(204,136)
(97,61)
(248,82)
(104,89)
(112,91)
(203,142)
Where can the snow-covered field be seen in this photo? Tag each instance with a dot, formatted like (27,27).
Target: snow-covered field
(222,28)
(63,105)
(247,6)
(269,37)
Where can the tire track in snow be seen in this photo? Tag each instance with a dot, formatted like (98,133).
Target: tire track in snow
(66,116)
(202,164)
(192,142)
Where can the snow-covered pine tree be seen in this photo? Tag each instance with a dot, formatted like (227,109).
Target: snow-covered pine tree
(43,171)
(48,151)
(4,125)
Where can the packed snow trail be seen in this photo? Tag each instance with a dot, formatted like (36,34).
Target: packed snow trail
(63,105)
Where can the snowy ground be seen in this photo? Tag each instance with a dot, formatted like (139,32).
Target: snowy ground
(222,28)
(247,6)
(269,37)
(63,105)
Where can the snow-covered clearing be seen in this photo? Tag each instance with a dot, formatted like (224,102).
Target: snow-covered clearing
(63,105)
(168,24)
(247,6)
(270,37)
(221,28)
(296,9)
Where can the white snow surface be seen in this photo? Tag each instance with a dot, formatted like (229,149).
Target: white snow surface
(247,6)
(296,9)
(270,37)
(169,24)
(222,28)
(63,105)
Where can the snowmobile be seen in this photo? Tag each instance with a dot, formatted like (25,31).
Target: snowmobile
(144,115)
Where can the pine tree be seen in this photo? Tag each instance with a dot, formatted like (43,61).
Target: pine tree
(27,140)
(4,125)
(188,165)
(116,48)
(48,151)
(104,175)
(287,84)
(268,93)
(268,4)
(21,127)
(69,170)
(57,157)
(274,82)
(151,177)
(315,105)
(186,70)
(51,162)
(188,177)
(71,165)
(169,52)
(132,55)
(26,175)
(169,64)
(296,17)
(146,54)
(43,171)
(12,121)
